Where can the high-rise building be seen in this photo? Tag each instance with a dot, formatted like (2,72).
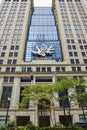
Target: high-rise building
(50,41)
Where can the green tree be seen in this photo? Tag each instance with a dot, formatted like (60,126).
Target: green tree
(76,87)
(47,91)
(62,85)
(81,94)
(36,93)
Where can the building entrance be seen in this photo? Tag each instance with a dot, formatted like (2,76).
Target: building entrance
(44,112)
(65,119)
(44,121)
(22,120)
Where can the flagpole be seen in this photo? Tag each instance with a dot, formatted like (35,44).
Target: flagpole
(30,78)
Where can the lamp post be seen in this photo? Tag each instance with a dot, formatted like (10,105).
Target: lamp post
(8,101)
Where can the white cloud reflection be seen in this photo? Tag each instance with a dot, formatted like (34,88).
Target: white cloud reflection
(42,3)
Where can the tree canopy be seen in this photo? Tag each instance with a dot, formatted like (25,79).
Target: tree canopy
(47,91)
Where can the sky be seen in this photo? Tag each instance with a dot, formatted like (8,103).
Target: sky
(0,1)
(41,2)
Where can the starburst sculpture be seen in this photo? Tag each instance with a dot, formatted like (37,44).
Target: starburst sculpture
(43,51)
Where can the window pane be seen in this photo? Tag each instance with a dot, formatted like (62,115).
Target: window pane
(5,95)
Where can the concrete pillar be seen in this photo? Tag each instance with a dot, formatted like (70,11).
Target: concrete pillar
(54,77)
(1,88)
(57,116)
(53,119)
(12,117)
(32,118)
(36,117)
(75,116)
(15,94)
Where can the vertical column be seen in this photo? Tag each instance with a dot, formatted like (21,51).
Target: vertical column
(1,88)
(33,117)
(15,94)
(36,117)
(53,112)
(53,121)
(54,77)
(75,116)
(73,103)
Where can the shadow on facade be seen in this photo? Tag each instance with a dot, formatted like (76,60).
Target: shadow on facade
(22,120)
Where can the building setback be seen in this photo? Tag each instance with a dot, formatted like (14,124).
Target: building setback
(50,41)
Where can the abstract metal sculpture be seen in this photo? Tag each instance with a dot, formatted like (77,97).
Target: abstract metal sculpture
(43,51)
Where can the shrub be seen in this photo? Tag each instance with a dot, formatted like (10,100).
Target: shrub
(10,125)
(29,126)
(2,128)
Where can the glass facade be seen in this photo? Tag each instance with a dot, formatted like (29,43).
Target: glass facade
(43,39)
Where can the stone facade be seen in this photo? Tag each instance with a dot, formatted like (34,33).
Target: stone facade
(15,18)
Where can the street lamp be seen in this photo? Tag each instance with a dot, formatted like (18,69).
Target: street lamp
(8,101)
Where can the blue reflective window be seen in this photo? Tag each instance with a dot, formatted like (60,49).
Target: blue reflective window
(43,31)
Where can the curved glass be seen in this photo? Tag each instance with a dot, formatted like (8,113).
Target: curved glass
(43,32)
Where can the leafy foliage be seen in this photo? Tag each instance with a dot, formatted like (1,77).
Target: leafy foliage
(47,91)
(37,92)
(2,128)
(29,126)
(8,126)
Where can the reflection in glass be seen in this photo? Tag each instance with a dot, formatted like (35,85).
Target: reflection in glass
(43,31)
